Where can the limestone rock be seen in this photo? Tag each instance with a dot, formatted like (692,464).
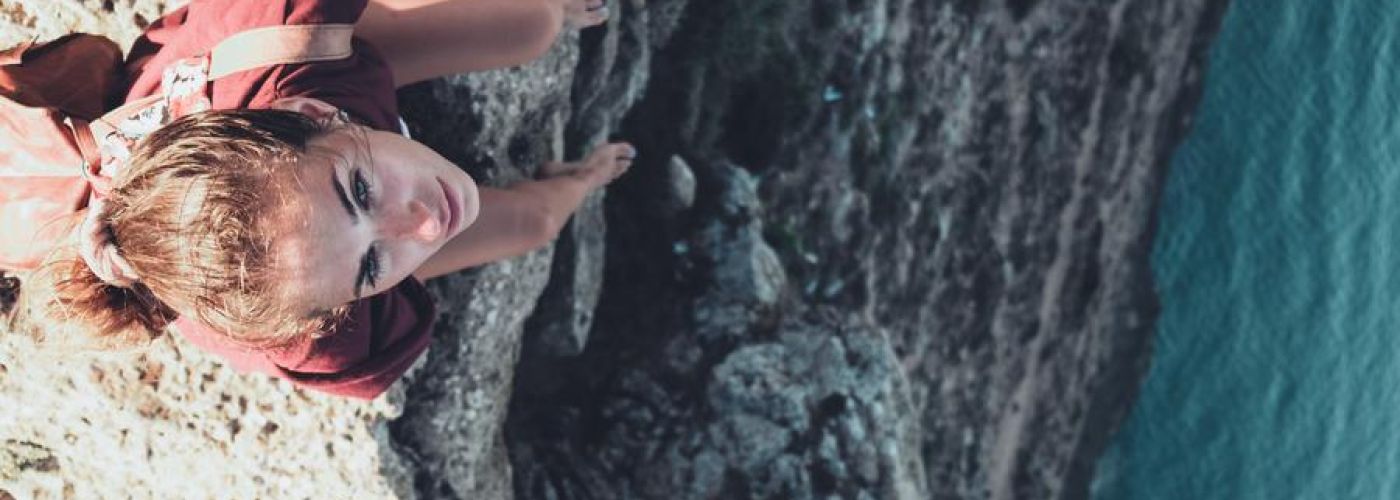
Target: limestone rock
(976,179)
(121,20)
(171,420)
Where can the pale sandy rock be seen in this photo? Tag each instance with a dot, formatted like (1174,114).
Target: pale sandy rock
(172,422)
(122,20)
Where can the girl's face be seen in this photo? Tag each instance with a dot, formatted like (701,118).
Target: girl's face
(362,219)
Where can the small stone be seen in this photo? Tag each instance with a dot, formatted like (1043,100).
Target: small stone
(833,288)
(682,182)
(830,94)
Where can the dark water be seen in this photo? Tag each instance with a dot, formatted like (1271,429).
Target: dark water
(1275,370)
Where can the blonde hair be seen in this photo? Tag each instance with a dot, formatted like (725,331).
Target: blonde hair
(191,213)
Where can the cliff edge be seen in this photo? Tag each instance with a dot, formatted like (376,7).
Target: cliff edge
(871,249)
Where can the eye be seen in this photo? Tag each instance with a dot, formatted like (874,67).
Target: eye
(371,268)
(359,188)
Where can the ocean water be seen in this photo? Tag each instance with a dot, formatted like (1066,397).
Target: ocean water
(1276,373)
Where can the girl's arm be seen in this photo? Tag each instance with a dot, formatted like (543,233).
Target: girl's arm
(425,39)
(527,215)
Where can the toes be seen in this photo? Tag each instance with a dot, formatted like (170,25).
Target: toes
(595,14)
(596,17)
(623,155)
(624,152)
(588,19)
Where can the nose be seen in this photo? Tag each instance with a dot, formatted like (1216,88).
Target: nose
(415,221)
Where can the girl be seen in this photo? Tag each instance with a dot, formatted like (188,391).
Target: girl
(289,230)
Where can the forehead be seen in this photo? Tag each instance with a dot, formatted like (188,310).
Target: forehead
(313,245)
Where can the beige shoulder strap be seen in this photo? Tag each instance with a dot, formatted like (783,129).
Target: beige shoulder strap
(290,44)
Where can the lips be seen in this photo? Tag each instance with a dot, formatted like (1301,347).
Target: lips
(452,209)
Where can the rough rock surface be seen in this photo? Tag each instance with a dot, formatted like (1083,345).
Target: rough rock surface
(872,249)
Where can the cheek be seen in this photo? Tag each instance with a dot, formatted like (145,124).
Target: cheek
(395,187)
(408,258)
(402,182)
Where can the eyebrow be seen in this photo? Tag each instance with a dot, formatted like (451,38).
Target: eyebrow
(354,219)
(344,198)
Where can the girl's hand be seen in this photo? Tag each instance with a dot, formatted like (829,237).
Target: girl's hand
(603,165)
(580,14)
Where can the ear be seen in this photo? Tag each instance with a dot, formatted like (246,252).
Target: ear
(309,106)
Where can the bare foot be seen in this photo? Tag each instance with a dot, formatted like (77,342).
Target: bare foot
(580,14)
(602,166)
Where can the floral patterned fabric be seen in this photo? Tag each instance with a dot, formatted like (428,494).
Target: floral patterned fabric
(182,92)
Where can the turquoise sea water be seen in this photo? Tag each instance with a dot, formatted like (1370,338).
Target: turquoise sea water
(1277,366)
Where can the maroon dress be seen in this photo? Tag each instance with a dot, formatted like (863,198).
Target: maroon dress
(384,334)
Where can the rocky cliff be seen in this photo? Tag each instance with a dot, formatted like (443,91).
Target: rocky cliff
(871,249)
